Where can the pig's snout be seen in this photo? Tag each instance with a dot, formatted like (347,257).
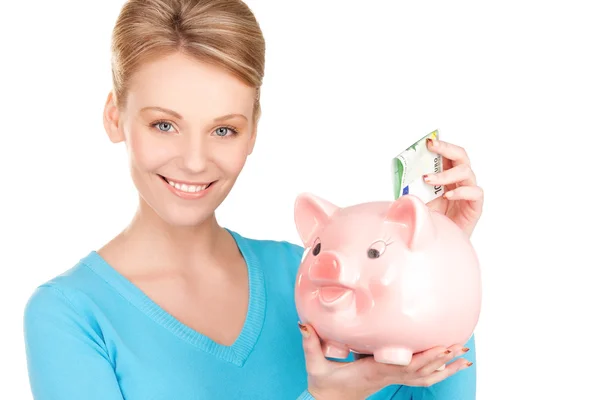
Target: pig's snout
(327,269)
(333,280)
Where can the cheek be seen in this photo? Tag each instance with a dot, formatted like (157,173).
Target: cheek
(147,151)
(232,159)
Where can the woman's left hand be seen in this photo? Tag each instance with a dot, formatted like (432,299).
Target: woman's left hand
(463,200)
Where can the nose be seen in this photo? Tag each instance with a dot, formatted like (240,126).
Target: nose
(328,269)
(195,154)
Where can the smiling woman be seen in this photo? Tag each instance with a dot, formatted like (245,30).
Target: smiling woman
(176,132)
(176,306)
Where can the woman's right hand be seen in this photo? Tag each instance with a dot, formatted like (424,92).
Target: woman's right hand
(330,380)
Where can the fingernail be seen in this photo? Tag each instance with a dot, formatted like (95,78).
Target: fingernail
(303,330)
(448,194)
(465,366)
(445,353)
(426,178)
(429,142)
(465,349)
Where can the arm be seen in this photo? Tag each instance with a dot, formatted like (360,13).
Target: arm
(460,386)
(66,358)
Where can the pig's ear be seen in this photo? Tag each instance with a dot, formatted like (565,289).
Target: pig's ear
(310,213)
(414,219)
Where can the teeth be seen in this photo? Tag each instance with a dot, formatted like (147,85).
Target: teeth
(187,188)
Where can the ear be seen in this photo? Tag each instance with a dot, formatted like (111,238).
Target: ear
(310,214)
(111,120)
(415,218)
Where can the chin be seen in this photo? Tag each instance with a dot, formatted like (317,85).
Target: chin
(188,214)
(177,215)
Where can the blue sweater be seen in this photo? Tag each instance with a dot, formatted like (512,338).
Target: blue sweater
(91,334)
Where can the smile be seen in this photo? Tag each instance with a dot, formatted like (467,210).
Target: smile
(187,189)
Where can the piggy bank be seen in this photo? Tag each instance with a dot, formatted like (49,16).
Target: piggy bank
(388,278)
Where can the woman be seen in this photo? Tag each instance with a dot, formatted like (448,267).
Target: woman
(175,306)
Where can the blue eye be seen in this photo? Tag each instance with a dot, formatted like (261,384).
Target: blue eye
(222,131)
(163,126)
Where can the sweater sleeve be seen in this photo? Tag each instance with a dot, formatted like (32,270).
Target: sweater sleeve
(66,357)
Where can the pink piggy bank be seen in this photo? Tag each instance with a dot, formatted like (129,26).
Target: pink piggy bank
(385,278)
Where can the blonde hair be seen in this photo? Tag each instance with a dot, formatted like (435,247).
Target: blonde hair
(222,32)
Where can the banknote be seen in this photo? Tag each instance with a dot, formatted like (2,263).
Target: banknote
(409,167)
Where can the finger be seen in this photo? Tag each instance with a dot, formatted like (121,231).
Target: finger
(470,193)
(452,152)
(438,376)
(462,174)
(313,353)
(438,363)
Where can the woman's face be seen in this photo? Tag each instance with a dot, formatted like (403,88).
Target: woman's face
(188,128)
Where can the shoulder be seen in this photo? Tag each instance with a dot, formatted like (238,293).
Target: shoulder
(279,254)
(62,328)
(280,249)
(62,299)
(270,247)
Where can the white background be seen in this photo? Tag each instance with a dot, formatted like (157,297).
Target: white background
(514,82)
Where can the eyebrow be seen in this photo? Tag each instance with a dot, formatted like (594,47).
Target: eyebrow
(230,116)
(178,116)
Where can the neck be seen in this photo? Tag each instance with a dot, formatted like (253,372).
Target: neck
(153,242)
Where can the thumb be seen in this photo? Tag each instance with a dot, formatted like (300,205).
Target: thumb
(313,353)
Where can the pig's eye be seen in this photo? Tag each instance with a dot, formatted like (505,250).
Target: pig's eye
(372,253)
(376,249)
(316,248)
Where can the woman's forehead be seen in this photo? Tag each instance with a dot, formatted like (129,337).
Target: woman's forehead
(185,85)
